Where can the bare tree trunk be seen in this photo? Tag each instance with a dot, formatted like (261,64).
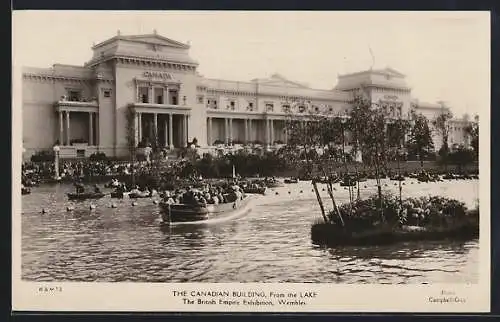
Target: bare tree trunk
(346,168)
(399,180)
(319,201)
(330,192)
(379,185)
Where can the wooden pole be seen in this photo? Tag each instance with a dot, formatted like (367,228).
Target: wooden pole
(319,201)
(330,193)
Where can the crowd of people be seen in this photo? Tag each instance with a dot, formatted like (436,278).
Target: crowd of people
(36,172)
(209,194)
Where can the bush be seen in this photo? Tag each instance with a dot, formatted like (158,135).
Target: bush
(432,211)
(98,156)
(43,156)
(78,141)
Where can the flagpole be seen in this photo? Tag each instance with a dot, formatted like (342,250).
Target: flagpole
(373,57)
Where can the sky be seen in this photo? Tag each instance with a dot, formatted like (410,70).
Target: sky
(444,55)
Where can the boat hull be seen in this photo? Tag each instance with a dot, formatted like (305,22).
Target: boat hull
(85,196)
(138,196)
(182,213)
(260,191)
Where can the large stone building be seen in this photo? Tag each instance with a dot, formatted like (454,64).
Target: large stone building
(146,87)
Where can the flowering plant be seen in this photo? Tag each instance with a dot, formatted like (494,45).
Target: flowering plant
(433,211)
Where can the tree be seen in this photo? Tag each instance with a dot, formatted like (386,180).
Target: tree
(461,157)
(472,131)
(442,126)
(306,132)
(420,141)
(396,140)
(371,121)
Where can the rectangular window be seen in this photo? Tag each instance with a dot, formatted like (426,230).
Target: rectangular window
(158,95)
(107,93)
(200,99)
(269,107)
(80,153)
(212,103)
(143,95)
(232,105)
(74,95)
(173,95)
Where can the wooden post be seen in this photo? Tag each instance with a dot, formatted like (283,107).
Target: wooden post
(320,201)
(330,193)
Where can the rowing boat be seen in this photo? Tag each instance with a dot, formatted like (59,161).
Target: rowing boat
(199,213)
(85,195)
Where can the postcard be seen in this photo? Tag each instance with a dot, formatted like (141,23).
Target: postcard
(209,161)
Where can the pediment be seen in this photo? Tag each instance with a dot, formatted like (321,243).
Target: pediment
(391,72)
(156,40)
(278,80)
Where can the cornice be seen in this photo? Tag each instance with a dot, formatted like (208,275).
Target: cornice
(391,87)
(62,78)
(215,91)
(147,61)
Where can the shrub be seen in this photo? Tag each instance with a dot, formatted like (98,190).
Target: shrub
(42,156)
(78,141)
(98,156)
(432,211)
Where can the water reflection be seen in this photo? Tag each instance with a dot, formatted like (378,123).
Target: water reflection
(118,241)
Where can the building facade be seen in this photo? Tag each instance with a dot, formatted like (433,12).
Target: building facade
(146,88)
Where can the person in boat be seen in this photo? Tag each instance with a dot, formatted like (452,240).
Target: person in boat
(97,189)
(202,201)
(167,197)
(80,188)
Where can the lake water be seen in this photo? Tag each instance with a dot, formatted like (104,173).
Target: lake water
(271,243)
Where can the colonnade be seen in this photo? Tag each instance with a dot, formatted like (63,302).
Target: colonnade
(64,121)
(248,129)
(168,126)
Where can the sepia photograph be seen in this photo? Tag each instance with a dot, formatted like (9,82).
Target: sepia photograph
(258,148)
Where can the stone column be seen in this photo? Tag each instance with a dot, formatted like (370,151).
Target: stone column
(246,131)
(97,140)
(155,128)
(230,130)
(67,129)
(91,128)
(209,133)
(187,126)
(184,130)
(150,94)
(226,134)
(272,131)
(250,130)
(267,132)
(139,128)
(136,128)
(166,96)
(61,129)
(165,126)
(170,130)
